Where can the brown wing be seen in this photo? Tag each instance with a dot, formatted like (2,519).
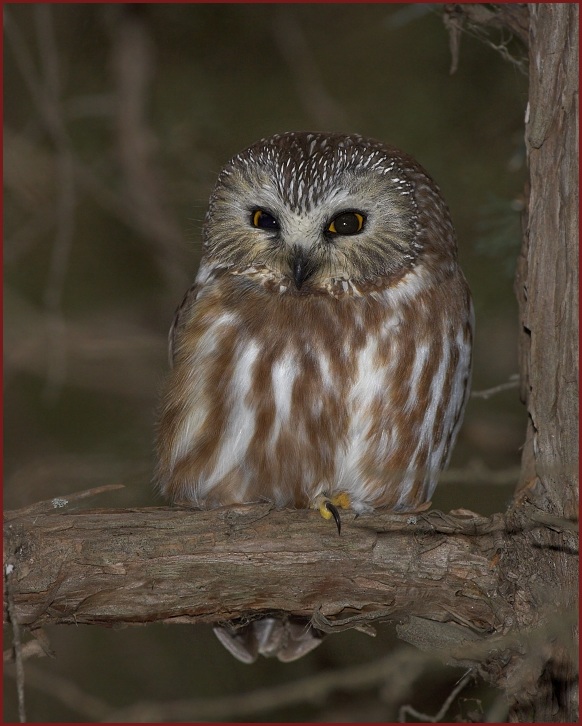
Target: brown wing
(179,317)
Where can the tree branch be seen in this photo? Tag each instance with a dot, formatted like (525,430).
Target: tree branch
(443,577)
(174,565)
(179,565)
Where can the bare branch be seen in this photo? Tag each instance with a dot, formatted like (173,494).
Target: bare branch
(65,691)
(141,209)
(441,575)
(46,96)
(180,565)
(409,710)
(56,503)
(472,18)
(16,642)
(132,61)
(513,382)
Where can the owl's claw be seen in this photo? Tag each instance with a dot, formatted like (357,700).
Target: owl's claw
(336,515)
(328,507)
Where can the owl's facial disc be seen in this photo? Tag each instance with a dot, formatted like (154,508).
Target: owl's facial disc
(310,215)
(305,251)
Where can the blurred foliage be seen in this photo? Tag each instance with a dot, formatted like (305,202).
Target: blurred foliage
(90,286)
(498,232)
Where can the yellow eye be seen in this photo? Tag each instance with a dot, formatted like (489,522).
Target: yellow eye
(347,223)
(263,220)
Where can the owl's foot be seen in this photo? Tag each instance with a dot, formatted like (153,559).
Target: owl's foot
(285,638)
(328,507)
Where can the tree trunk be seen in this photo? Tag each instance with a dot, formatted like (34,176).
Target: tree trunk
(540,574)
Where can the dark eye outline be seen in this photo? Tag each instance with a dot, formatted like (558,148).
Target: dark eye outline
(331,230)
(272,223)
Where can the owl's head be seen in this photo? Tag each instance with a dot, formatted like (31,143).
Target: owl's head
(313,211)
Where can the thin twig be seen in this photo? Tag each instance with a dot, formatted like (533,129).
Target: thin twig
(133,66)
(57,503)
(410,710)
(147,217)
(66,204)
(558,524)
(471,20)
(56,129)
(16,644)
(46,98)
(63,690)
(513,382)
(31,649)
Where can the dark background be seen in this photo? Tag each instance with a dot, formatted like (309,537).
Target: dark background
(106,187)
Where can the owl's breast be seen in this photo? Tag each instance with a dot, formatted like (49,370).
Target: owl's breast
(280,399)
(256,404)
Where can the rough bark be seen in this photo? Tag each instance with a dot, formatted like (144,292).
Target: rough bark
(540,576)
(136,566)
(547,280)
(437,575)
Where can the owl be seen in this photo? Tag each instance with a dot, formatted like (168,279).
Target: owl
(322,357)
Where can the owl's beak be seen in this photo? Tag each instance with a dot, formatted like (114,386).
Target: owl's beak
(302,266)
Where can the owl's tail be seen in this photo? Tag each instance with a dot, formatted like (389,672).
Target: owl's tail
(284,638)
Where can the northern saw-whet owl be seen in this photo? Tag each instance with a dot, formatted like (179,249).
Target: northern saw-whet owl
(322,357)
